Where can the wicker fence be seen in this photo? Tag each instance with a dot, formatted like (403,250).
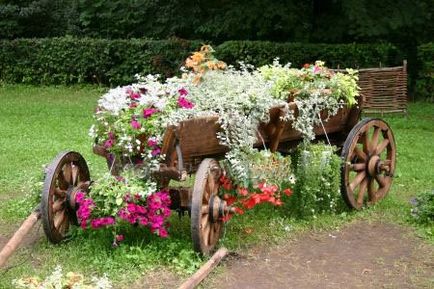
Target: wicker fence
(384,90)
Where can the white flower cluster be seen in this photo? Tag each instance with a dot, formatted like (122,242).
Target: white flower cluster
(114,101)
(242,100)
(57,280)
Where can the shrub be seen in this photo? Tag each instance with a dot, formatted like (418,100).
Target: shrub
(352,55)
(425,81)
(69,60)
(423,212)
(317,186)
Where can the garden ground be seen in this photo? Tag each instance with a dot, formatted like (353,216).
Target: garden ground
(377,247)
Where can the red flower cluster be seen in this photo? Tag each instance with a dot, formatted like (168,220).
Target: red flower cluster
(265,193)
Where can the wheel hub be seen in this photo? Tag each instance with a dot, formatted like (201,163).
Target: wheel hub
(218,208)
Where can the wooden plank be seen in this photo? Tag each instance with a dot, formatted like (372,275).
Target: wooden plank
(203,271)
(18,237)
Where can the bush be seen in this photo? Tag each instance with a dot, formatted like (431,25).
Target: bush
(425,81)
(69,60)
(423,212)
(336,55)
(318,179)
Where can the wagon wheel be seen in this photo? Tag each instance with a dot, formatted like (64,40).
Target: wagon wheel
(368,163)
(207,209)
(67,174)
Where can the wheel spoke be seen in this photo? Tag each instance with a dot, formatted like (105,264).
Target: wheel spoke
(358,167)
(380,180)
(362,191)
(375,136)
(366,142)
(59,192)
(67,173)
(357,180)
(59,219)
(205,229)
(361,154)
(74,174)
(380,148)
(57,206)
(371,190)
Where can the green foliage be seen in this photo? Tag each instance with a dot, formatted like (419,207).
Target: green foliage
(425,81)
(70,60)
(351,55)
(318,179)
(424,211)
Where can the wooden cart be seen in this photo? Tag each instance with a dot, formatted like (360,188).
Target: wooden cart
(367,149)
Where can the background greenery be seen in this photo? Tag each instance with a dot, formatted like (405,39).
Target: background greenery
(68,60)
(404,23)
(38,122)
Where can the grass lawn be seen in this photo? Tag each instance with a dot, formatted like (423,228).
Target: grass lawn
(38,122)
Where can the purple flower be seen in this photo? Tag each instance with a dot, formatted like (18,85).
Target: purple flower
(147,112)
(184,103)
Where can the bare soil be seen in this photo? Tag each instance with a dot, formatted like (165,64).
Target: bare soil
(360,255)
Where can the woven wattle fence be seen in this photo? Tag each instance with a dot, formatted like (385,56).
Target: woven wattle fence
(384,90)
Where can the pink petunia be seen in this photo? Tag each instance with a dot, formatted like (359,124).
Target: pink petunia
(156,151)
(135,95)
(147,112)
(183,92)
(152,142)
(184,103)
(135,124)
(108,143)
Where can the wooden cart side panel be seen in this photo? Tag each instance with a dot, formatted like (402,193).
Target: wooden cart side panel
(197,138)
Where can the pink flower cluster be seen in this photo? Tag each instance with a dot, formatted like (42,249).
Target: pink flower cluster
(152,143)
(85,207)
(110,141)
(182,101)
(102,222)
(158,212)
(154,215)
(134,214)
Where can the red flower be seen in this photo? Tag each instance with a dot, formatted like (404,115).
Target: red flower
(287,192)
(229,199)
(242,191)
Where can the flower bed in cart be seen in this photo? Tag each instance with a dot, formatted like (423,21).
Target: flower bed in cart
(130,122)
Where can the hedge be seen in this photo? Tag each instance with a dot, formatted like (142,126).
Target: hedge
(425,80)
(69,60)
(335,55)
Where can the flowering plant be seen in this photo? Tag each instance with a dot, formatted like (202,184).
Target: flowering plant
(270,177)
(113,201)
(57,280)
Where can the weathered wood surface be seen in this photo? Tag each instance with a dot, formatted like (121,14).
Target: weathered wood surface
(203,271)
(18,237)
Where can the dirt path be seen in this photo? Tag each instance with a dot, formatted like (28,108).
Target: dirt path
(360,255)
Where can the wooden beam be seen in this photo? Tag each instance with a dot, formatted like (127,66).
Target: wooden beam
(203,271)
(18,237)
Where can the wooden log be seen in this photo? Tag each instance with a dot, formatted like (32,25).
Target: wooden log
(203,271)
(18,237)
